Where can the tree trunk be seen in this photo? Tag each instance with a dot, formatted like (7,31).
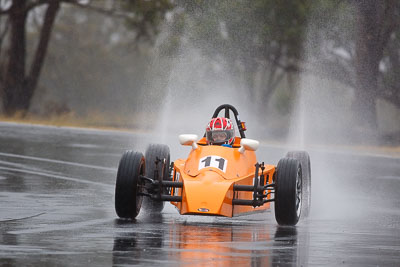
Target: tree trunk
(13,86)
(367,63)
(18,88)
(41,50)
(375,24)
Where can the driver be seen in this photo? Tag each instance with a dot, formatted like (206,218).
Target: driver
(220,131)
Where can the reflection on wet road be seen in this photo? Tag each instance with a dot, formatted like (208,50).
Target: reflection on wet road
(57,209)
(217,242)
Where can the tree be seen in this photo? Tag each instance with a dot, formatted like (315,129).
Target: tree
(390,76)
(17,85)
(357,44)
(253,36)
(376,21)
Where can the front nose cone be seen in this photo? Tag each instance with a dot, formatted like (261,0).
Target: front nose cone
(207,193)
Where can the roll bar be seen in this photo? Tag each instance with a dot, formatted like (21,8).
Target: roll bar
(228,107)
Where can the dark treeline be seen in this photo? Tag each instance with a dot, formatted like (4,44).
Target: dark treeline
(88,57)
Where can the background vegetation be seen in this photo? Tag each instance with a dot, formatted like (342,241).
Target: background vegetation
(128,63)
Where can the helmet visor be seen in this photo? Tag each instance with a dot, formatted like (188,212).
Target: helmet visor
(220,136)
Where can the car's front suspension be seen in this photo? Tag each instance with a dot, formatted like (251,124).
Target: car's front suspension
(258,188)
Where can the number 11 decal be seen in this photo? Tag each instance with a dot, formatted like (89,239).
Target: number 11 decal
(213,161)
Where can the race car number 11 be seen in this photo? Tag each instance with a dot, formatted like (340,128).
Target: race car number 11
(213,161)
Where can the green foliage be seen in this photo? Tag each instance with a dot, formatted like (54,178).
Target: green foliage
(284,100)
(250,36)
(146,16)
(107,57)
(248,29)
(90,66)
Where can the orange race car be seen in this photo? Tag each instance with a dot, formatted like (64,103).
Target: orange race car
(220,177)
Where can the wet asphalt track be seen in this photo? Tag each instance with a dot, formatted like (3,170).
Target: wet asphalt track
(57,209)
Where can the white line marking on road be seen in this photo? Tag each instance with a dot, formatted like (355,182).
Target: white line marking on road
(78,180)
(62,227)
(57,161)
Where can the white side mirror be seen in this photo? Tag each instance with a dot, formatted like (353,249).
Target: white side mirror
(188,140)
(248,144)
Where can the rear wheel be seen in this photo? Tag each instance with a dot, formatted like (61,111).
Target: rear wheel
(157,159)
(128,187)
(288,191)
(304,159)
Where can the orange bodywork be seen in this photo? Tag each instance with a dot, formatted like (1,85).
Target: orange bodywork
(208,176)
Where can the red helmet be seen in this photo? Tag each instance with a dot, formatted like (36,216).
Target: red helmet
(220,131)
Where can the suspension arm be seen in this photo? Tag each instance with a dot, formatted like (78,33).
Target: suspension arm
(247,202)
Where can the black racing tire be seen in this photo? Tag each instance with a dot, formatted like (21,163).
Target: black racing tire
(128,201)
(288,191)
(153,152)
(305,162)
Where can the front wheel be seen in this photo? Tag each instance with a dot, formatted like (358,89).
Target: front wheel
(157,161)
(288,191)
(304,158)
(128,187)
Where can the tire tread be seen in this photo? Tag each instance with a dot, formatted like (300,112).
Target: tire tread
(129,170)
(285,191)
(152,152)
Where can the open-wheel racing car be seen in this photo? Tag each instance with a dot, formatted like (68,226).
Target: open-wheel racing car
(214,180)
